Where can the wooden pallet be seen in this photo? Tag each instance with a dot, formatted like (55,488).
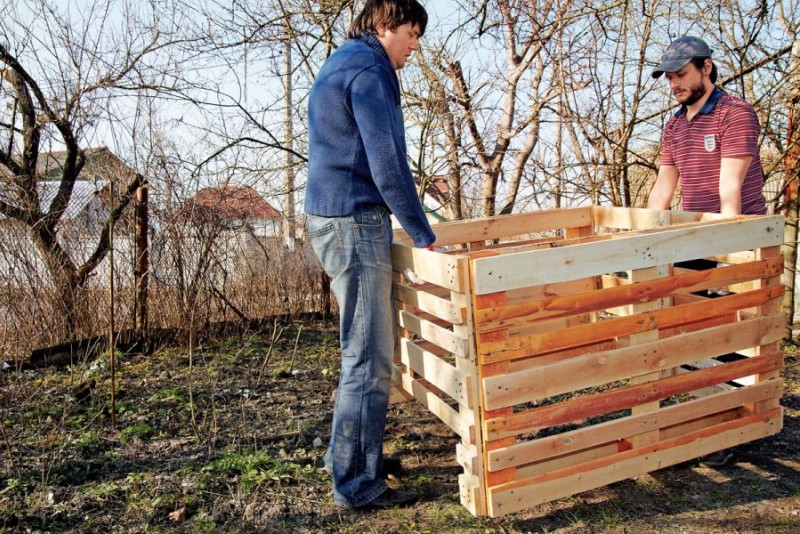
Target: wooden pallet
(568,350)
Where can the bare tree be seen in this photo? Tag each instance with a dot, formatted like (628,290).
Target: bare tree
(60,74)
(492,109)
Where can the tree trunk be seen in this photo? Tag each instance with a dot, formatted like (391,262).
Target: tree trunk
(791,201)
(454,206)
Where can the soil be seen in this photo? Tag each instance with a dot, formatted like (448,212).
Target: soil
(229,437)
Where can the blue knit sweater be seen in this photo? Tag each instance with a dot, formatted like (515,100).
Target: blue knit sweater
(357,157)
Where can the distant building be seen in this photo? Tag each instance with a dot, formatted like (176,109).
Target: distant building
(234,207)
(83,221)
(434,201)
(221,234)
(436,198)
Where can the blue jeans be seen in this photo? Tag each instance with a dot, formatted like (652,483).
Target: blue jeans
(355,252)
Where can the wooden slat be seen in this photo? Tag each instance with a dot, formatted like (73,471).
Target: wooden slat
(688,217)
(434,267)
(645,219)
(566,354)
(628,252)
(604,367)
(694,425)
(560,462)
(629,218)
(434,333)
(527,294)
(611,431)
(475,230)
(560,305)
(434,404)
(525,493)
(624,397)
(555,339)
(427,302)
(436,371)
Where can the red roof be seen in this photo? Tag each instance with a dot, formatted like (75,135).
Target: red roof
(232,202)
(437,187)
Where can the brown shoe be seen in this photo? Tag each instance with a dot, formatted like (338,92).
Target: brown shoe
(391,498)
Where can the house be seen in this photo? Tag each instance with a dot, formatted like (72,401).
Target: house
(234,207)
(83,221)
(221,234)
(434,201)
(436,198)
(91,195)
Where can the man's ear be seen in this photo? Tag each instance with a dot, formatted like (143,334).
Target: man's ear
(707,67)
(381,29)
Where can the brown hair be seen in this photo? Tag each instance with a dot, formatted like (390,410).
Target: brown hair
(700,62)
(391,13)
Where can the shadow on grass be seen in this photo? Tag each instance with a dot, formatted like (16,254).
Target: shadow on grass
(761,471)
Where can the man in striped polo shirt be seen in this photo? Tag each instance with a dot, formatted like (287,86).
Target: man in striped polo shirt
(711,146)
(711,143)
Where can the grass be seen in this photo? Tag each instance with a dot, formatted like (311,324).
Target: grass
(246,463)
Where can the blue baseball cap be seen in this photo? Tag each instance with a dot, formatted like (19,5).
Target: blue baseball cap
(680,52)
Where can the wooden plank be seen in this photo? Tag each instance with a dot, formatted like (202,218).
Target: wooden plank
(571,287)
(434,404)
(571,480)
(548,325)
(503,226)
(578,335)
(430,303)
(611,431)
(560,462)
(566,354)
(628,252)
(434,333)
(644,219)
(600,368)
(560,305)
(436,371)
(687,217)
(624,397)
(434,267)
(629,218)
(694,425)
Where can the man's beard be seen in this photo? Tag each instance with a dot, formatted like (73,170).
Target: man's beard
(695,93)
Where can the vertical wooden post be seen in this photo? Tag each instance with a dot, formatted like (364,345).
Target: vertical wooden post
(472,483)
(647,336)
(142,264)
(111,336)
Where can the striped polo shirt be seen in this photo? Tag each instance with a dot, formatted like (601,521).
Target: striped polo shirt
(725,127)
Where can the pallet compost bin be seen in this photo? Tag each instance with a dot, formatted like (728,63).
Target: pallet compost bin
(574,348)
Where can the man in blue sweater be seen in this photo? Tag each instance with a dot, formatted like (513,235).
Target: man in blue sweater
(358,175)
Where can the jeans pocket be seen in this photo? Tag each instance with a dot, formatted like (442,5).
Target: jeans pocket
(326,240)
(373,231)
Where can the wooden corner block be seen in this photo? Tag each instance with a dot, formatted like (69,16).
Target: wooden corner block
(467,457)
(472,495)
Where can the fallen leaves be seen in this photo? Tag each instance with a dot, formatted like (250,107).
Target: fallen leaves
(179,515)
